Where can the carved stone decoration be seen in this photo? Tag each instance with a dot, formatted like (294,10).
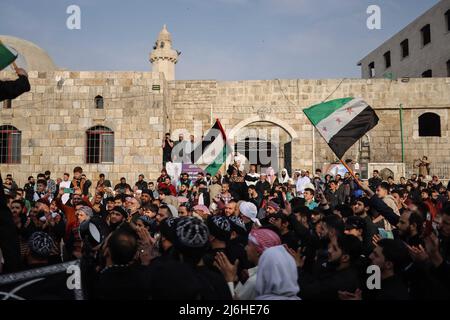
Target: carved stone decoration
(263,112)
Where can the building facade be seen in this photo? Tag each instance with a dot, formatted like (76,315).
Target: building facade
(421,49)
(114,122)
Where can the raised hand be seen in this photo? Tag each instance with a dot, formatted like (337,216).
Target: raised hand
(228,269)
(375,239)
(297,255)
(345,295)
(418,254)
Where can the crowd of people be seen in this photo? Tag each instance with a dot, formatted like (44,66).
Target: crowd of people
(244,235)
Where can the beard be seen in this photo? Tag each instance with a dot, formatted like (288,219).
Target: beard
(114,225)
(333,265)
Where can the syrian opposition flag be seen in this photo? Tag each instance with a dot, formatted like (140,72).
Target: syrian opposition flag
(6,56)
(212,152)
(342,122)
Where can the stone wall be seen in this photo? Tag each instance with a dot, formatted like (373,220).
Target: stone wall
(53,120)
(281,102)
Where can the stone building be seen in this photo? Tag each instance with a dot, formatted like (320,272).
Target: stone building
(421,49)
(114,122)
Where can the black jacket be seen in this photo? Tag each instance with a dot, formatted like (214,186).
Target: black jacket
(13,89)
(392,288)
(9,239)
(123,283)
(326,285)
(335,198)
(142,185)
(382,208)
(374,183)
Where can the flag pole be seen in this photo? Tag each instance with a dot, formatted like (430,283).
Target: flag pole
(350,171)
(15,67)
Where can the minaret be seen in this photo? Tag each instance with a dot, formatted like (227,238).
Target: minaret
(163,57)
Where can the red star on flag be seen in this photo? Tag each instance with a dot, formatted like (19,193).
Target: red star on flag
(338,120)
(324,129)
(349,110)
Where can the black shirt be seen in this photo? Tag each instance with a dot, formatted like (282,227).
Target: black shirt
(13,89)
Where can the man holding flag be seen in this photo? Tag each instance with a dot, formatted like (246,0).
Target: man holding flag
(13,88)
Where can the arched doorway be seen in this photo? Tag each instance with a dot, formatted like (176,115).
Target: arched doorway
(267,143)
(258,151)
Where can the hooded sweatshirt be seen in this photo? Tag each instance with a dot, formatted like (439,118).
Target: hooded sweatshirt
(277,276)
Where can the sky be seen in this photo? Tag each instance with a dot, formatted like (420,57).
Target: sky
(218,39)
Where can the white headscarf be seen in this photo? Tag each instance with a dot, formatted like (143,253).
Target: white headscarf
(286,177)
(277,276)
(270,175)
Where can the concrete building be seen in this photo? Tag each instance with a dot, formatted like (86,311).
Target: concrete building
(421,49)
(114,122)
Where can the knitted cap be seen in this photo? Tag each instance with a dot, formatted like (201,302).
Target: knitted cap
(167,229)
(41,244)
(191,233)
(219,227)
(237,225)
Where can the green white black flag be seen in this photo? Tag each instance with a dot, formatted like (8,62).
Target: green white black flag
(342,122)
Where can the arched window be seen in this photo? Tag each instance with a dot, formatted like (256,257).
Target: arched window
(10,144)
(98,102)
(429,125)
(100,145)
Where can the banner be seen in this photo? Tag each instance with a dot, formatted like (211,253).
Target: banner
(55,282)
(192,170)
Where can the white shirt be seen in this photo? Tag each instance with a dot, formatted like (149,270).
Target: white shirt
(38,196)
(301,184)
(247,291)
(253,175)
(65,197)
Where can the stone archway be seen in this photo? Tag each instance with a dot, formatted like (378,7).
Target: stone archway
(277,148)
(278,122)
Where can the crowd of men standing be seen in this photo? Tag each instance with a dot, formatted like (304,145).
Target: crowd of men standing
(243,235)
